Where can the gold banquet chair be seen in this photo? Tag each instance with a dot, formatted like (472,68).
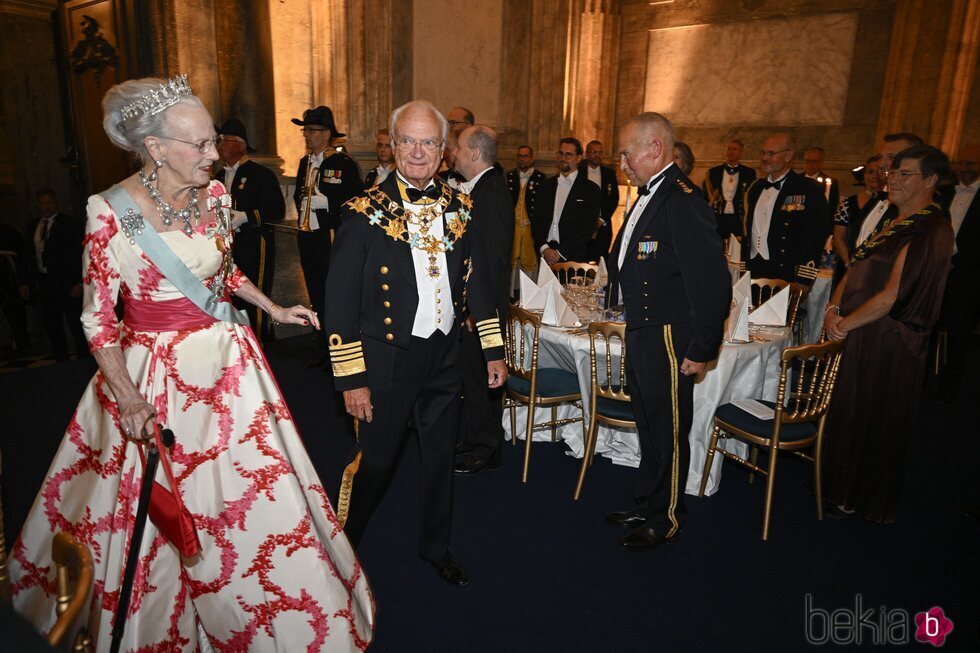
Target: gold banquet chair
(610,401)
(764,289)
(529,385)
(74,579)
(571,270)
(797,425)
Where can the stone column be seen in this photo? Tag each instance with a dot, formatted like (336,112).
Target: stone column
(593,57)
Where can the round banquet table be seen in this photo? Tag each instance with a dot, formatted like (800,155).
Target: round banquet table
(742,371)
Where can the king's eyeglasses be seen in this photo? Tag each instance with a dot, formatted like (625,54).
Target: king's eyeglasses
(407,143)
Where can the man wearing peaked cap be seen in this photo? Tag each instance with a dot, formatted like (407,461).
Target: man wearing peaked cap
(257,203)
(326,178)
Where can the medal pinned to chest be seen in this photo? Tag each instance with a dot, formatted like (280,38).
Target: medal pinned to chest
(330,177)
(645,249)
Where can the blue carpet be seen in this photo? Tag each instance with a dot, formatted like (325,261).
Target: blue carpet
(546,573)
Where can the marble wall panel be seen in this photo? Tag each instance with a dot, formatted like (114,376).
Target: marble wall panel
(790,71)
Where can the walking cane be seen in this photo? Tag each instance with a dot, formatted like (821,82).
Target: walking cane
(129,575)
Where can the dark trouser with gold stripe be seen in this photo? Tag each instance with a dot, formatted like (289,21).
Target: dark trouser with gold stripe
(421,382)
(254,252)
(663,405)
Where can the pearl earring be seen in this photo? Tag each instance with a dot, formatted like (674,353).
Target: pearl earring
(159,163)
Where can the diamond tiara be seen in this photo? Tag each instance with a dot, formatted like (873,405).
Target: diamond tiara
(164,97)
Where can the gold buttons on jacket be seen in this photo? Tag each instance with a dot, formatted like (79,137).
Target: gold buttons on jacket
(389,336)
(384,286)
(387,320)
(387,304)
(384,269)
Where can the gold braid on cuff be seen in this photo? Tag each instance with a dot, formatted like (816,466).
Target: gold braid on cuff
(345,359)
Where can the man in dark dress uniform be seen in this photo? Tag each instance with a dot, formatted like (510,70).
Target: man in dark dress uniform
(326,178)
(724,188)
(605,178)
(404,271)
(566,209)
(493,226)
(523,181)
(787,220)
(256,204)
(53,273)
(669,269)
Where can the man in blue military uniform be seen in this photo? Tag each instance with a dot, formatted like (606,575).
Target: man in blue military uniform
(326,178)
(668,267)
(404,267)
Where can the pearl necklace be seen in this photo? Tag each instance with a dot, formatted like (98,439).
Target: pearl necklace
(167,212)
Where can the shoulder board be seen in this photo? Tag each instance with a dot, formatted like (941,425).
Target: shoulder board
(684,187)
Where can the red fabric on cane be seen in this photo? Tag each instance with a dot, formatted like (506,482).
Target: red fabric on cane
(167,510)
(169,315)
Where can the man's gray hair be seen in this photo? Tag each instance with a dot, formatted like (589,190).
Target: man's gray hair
(655,125)
(790,141)
(483,139)
(418,106)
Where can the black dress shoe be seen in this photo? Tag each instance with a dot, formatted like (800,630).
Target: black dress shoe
(452,572)
(626,518)
(463,448)
(475,466)
(830,511)
(644,538)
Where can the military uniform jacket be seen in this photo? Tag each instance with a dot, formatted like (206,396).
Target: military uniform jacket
(798,229)
(340,179)
(371,287)
(256,191)
(713,181)
(674,270)
(514,186)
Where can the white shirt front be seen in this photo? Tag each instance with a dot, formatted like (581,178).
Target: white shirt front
(561,196)
(638,207)
(871,221)
(230,172)
(525,176)
(729,188)
(435,308)
(964,196)
(382,174)
(318,201)
(595,175)
(467,186)
(40,236)
(762,219)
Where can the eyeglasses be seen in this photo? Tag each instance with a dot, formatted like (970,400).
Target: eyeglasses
(770,153)
(565,155)
(312,129)
(900,175)
(203,147)
(408,143)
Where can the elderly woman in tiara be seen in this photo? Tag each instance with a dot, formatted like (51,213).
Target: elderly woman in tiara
(275,571)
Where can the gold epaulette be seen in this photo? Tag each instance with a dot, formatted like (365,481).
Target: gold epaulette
(346,359)
(684,187)
(490,335)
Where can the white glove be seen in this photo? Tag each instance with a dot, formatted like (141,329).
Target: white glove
(319,201)
(238,218)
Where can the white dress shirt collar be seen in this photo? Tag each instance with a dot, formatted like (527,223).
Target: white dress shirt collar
(467,186)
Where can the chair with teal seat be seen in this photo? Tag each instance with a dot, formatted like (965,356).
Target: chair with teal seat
(529,385)
(797,424)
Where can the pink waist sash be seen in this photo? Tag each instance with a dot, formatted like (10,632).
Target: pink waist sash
(169,315)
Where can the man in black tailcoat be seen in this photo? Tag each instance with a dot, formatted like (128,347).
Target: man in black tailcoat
(566,209)
(493,226)
(257,203)
(405,270)
(670,273)
(787,220)
(724,188)
(605,178)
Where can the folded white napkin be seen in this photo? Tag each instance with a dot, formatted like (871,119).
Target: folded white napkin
(773,312)
(557,311)
(734,250)
(533,295)
(742,288)
(602,276)
(737,324)
(755,408)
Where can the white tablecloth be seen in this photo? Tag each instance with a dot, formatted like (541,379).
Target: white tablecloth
(742,371)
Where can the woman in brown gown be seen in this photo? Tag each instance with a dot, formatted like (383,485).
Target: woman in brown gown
(885,307)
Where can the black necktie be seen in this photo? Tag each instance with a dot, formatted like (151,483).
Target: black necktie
(730,170)
(414,194)
(772,184)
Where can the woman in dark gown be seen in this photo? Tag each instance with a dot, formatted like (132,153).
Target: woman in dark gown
(885,307)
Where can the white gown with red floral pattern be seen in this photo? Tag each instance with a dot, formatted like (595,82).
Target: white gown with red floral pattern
(276,572)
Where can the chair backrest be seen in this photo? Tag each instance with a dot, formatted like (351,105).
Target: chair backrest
(74,577)
(815,368)
(571,269)
(764,289)
(522,360)
(611,384)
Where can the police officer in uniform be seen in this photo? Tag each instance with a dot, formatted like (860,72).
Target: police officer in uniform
(326,178)
(256,204)
(404,267)
(668,267)
(787,220)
